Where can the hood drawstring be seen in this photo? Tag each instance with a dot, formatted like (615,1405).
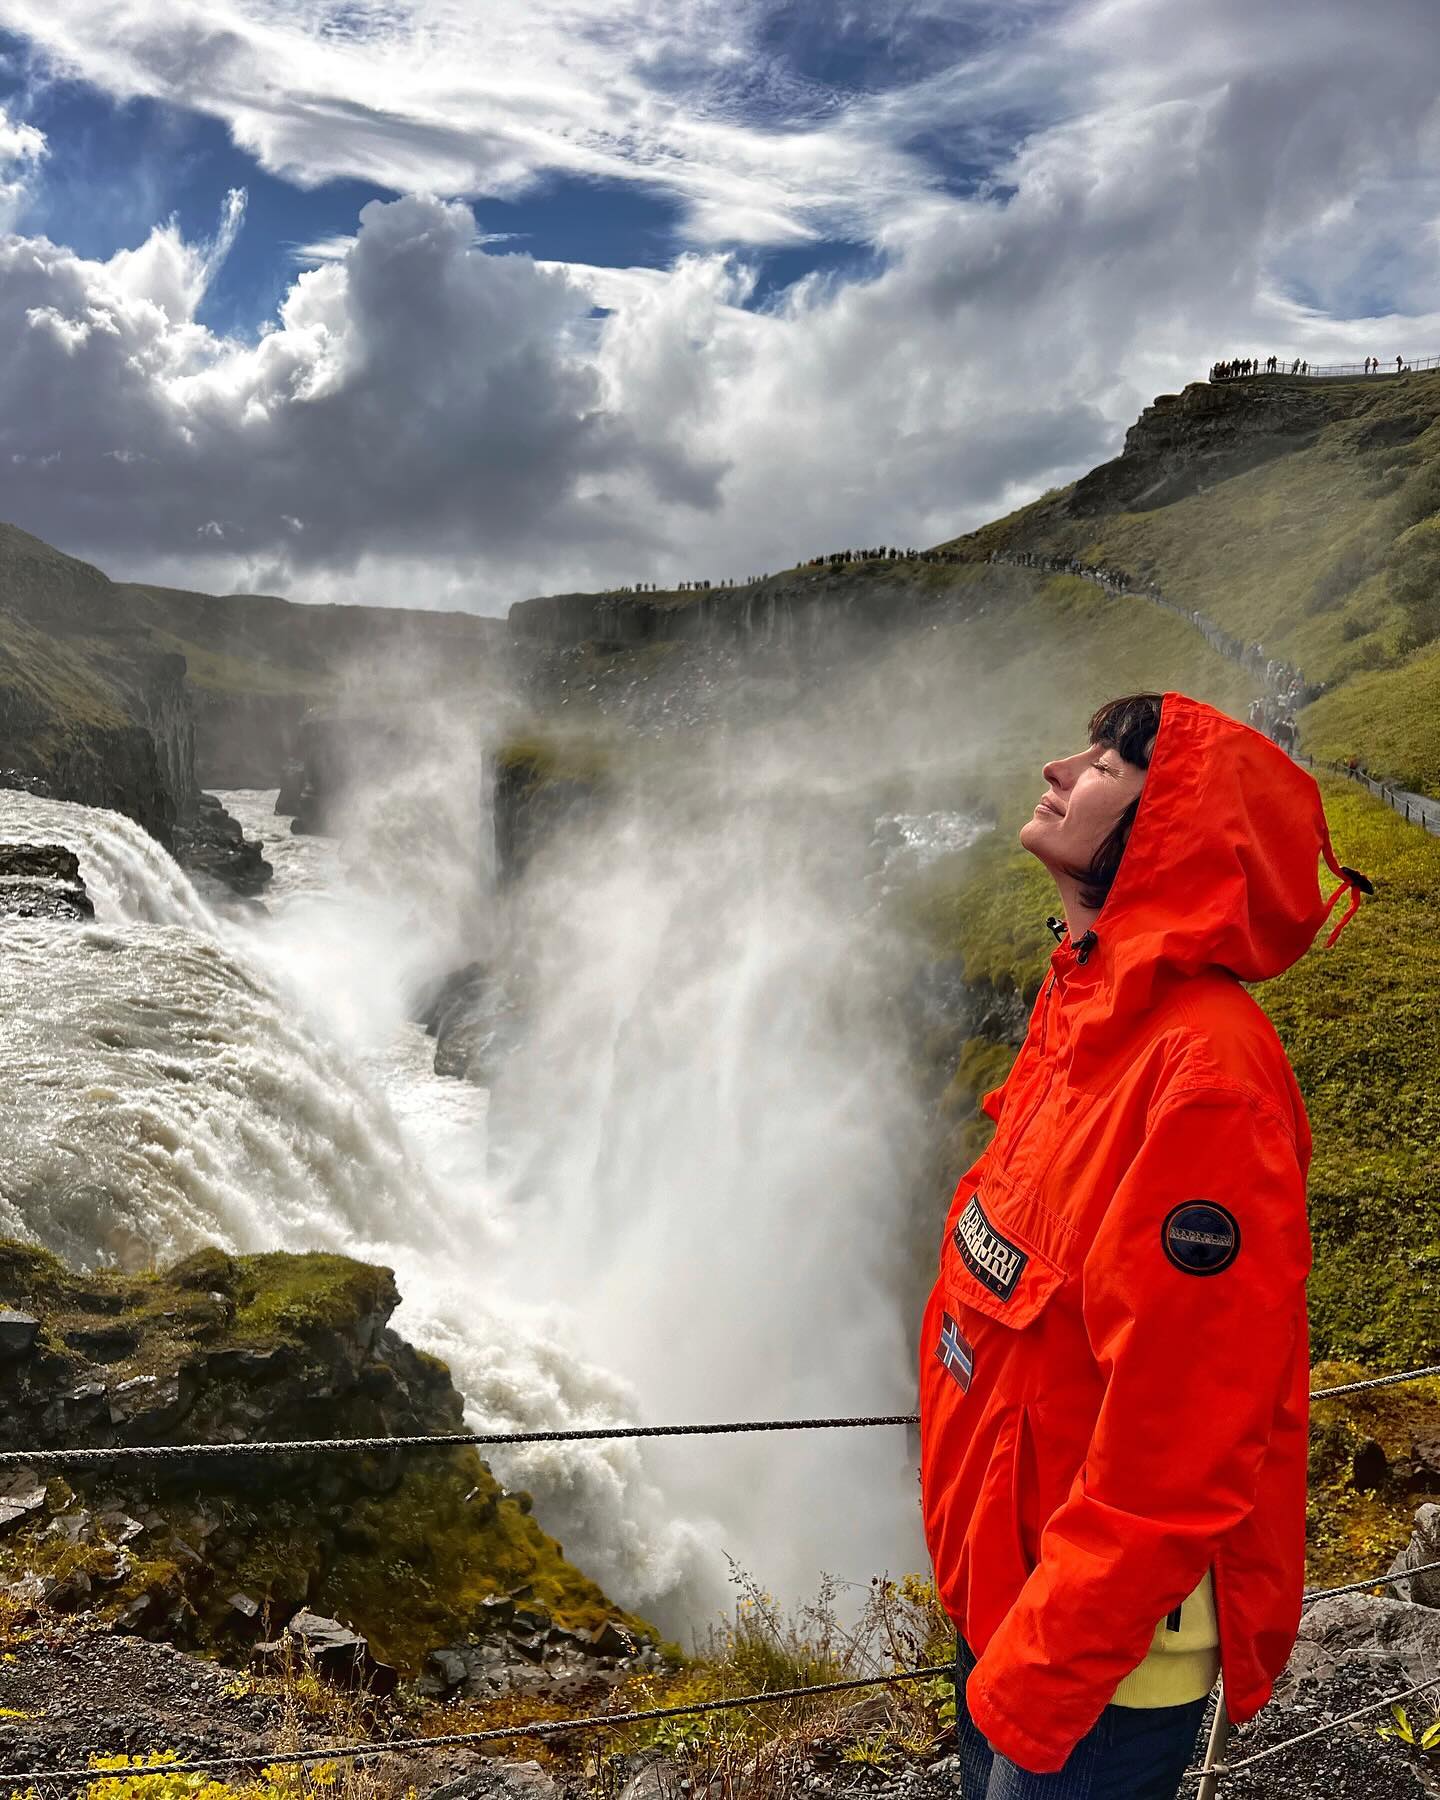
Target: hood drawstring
(1351,879)
(1084,944)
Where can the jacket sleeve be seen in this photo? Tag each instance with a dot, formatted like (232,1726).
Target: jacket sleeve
(1195,1352)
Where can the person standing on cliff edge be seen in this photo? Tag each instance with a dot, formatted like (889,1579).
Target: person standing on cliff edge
(1114,1361)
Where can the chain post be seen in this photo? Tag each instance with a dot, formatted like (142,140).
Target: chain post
(1215,1749)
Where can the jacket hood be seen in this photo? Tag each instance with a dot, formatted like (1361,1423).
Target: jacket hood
(1221,869)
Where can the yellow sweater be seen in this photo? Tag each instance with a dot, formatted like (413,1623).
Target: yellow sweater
(1179,1665)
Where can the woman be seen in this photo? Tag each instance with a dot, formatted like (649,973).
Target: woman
(1114,1360)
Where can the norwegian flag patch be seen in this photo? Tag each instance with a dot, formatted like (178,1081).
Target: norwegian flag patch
(953,1353)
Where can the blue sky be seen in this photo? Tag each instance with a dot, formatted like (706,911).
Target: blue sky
(116,164)
(399,300)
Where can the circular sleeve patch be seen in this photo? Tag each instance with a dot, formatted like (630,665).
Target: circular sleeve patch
(1201,1237)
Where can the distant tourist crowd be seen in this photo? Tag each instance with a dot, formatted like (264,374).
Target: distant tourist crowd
(835,559)
(1240,366)
(1285,686)
(686,587)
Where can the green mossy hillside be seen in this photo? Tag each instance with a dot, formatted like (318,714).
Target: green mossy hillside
(1390,719)
(1328,554)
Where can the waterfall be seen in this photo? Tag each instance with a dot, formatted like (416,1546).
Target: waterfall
(167,1087)
(129,875)
(685,1199)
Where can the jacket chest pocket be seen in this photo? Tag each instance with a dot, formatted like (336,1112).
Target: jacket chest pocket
(1005,1255)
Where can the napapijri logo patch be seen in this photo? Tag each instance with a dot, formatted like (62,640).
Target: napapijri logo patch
(1201,1237)
(954,1353)
(990,1258)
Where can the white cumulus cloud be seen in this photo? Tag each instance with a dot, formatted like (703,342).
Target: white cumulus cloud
(433,419)
(21,148)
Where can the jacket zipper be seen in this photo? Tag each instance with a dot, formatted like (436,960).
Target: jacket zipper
(1050,1073)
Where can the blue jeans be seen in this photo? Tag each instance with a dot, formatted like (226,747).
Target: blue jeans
(1129,1753)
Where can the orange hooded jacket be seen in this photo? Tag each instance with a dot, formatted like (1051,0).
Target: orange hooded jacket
(1114,1362)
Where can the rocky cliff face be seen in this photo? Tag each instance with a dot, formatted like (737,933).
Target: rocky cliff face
(88,703)
(244,740)
(120,740)
(1184,442)
(42,881)
(132,697)
(790,611)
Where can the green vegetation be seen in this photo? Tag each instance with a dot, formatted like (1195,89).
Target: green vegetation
(1328,555)
(1359,1025)
(541,758)
(1389,719)
(283,1296)
(761,1648)
(147,1777)
(417,1564)
(62,683)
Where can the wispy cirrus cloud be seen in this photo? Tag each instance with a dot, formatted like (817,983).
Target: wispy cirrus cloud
(714,101)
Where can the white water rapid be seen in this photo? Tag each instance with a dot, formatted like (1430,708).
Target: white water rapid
(687,1204)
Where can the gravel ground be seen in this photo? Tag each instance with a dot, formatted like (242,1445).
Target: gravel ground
(81,1690)
(1348,1763)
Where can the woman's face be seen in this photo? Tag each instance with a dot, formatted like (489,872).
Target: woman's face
(1085,797)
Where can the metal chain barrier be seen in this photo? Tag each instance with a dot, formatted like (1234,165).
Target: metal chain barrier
(111,1453)
(75,1458)
(72,1458)
(1374,1381)
(1389,1578)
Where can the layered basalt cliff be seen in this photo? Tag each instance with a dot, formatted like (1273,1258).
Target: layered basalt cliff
(796,609)
(1184,442)
(134,698)
(90,705)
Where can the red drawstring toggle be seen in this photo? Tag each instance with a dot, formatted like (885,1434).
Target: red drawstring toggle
(1352,879)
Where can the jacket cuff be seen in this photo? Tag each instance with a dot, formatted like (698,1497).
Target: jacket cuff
(1002,1733)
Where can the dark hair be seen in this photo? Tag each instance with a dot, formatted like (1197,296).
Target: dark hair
(1128,726)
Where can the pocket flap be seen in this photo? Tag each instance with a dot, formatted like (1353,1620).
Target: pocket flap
(996,1267)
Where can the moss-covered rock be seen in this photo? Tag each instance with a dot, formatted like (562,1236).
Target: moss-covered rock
(539,783)
(212,1553)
